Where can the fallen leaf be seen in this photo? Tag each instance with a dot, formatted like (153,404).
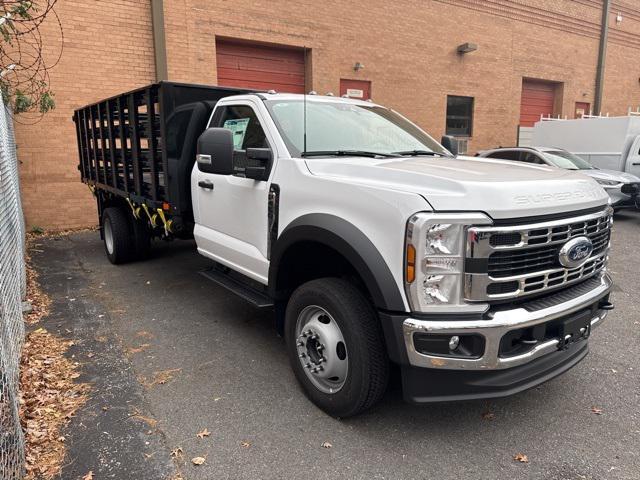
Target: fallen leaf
(326,445)
(203,433)
(152,422)
(88,476)
(160,378)
(197,460)
(596,410)
(245,444)
(176,452)
(50,398)
(488,416)
(138,349)
(521,457)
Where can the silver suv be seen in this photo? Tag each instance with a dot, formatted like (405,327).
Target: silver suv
(623,188)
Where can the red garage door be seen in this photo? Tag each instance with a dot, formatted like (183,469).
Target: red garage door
(537,99)
(259,66)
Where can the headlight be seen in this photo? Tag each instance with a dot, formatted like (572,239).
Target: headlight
(434,261)
(608,183)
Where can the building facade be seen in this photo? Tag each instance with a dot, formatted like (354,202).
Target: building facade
(472,68)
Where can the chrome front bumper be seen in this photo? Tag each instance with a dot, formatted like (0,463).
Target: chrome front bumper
(495,328)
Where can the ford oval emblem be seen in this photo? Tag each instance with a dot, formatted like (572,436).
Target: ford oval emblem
(575,252)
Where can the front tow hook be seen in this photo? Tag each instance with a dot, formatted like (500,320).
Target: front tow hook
(605,305)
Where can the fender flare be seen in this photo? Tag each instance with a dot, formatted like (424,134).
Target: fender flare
(352,244)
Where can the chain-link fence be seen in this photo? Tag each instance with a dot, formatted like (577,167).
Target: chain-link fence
(12,290)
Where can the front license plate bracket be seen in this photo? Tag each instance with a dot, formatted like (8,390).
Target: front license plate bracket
(575,329)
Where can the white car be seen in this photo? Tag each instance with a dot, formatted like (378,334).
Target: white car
(622,187)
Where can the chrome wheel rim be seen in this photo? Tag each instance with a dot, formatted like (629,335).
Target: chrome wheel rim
(108,237)
(321,349)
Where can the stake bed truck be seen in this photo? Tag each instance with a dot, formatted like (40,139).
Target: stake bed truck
(372,242)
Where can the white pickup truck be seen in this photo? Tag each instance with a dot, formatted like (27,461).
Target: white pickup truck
(373,243)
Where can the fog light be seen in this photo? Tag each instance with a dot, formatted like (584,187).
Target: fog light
(443,345)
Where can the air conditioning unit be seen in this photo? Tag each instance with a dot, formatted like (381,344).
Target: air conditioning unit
(463,145)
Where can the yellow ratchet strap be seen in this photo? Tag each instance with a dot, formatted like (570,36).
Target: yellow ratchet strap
(167,225)
(134,209)
(152,218)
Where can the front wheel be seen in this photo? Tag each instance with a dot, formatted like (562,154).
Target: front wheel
(336,346)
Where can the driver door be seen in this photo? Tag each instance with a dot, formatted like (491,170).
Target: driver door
(231,211)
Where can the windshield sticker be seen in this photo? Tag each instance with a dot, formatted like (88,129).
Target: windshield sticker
(238,128)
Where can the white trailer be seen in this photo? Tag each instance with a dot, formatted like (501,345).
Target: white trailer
(611,143)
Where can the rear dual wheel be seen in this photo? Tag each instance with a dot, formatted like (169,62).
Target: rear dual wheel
(125,238)
(336,346)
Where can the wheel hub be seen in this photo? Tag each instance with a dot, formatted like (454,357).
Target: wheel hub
(321,349)
(108,236)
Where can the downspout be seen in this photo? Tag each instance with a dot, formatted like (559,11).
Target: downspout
(159,39)
(602,57)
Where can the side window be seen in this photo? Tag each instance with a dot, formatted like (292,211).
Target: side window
(505,155)
(244,124)
(531,157)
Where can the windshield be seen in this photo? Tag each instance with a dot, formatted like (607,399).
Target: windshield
(345,127)
(567,160)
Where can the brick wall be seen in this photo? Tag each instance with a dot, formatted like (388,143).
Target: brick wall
(409,51)
(408,48)
(108,48)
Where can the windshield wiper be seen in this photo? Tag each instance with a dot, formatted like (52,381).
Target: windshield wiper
(415,153)
(347,153)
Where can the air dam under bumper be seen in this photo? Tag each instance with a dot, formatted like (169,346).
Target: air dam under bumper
(432,377)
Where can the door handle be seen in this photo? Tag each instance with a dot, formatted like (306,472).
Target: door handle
(205,184)
(635,164)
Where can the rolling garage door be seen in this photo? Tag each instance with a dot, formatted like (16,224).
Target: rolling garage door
(537,99)
(261,67)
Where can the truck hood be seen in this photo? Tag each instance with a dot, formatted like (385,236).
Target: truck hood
(499,188)
(613,175)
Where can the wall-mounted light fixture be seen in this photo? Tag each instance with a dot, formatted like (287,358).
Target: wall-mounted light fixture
(358,66)
(467,48)
(619,18)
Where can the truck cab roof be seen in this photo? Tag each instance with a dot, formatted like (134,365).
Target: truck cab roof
(299,96)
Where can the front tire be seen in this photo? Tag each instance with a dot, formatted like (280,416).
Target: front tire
(336,346)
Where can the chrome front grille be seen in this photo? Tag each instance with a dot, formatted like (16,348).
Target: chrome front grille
(509,263)
(506,262)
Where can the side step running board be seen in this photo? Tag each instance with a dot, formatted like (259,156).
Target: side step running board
(247,292)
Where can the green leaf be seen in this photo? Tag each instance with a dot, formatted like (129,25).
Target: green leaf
(47,102)
(21,102)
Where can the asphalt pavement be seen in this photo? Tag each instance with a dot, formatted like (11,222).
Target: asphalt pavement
(170,354)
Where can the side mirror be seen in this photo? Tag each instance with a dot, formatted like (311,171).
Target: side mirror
(450,143)
(258,163)
(215,151)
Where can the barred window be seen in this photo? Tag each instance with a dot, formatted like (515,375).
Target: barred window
(459,116)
